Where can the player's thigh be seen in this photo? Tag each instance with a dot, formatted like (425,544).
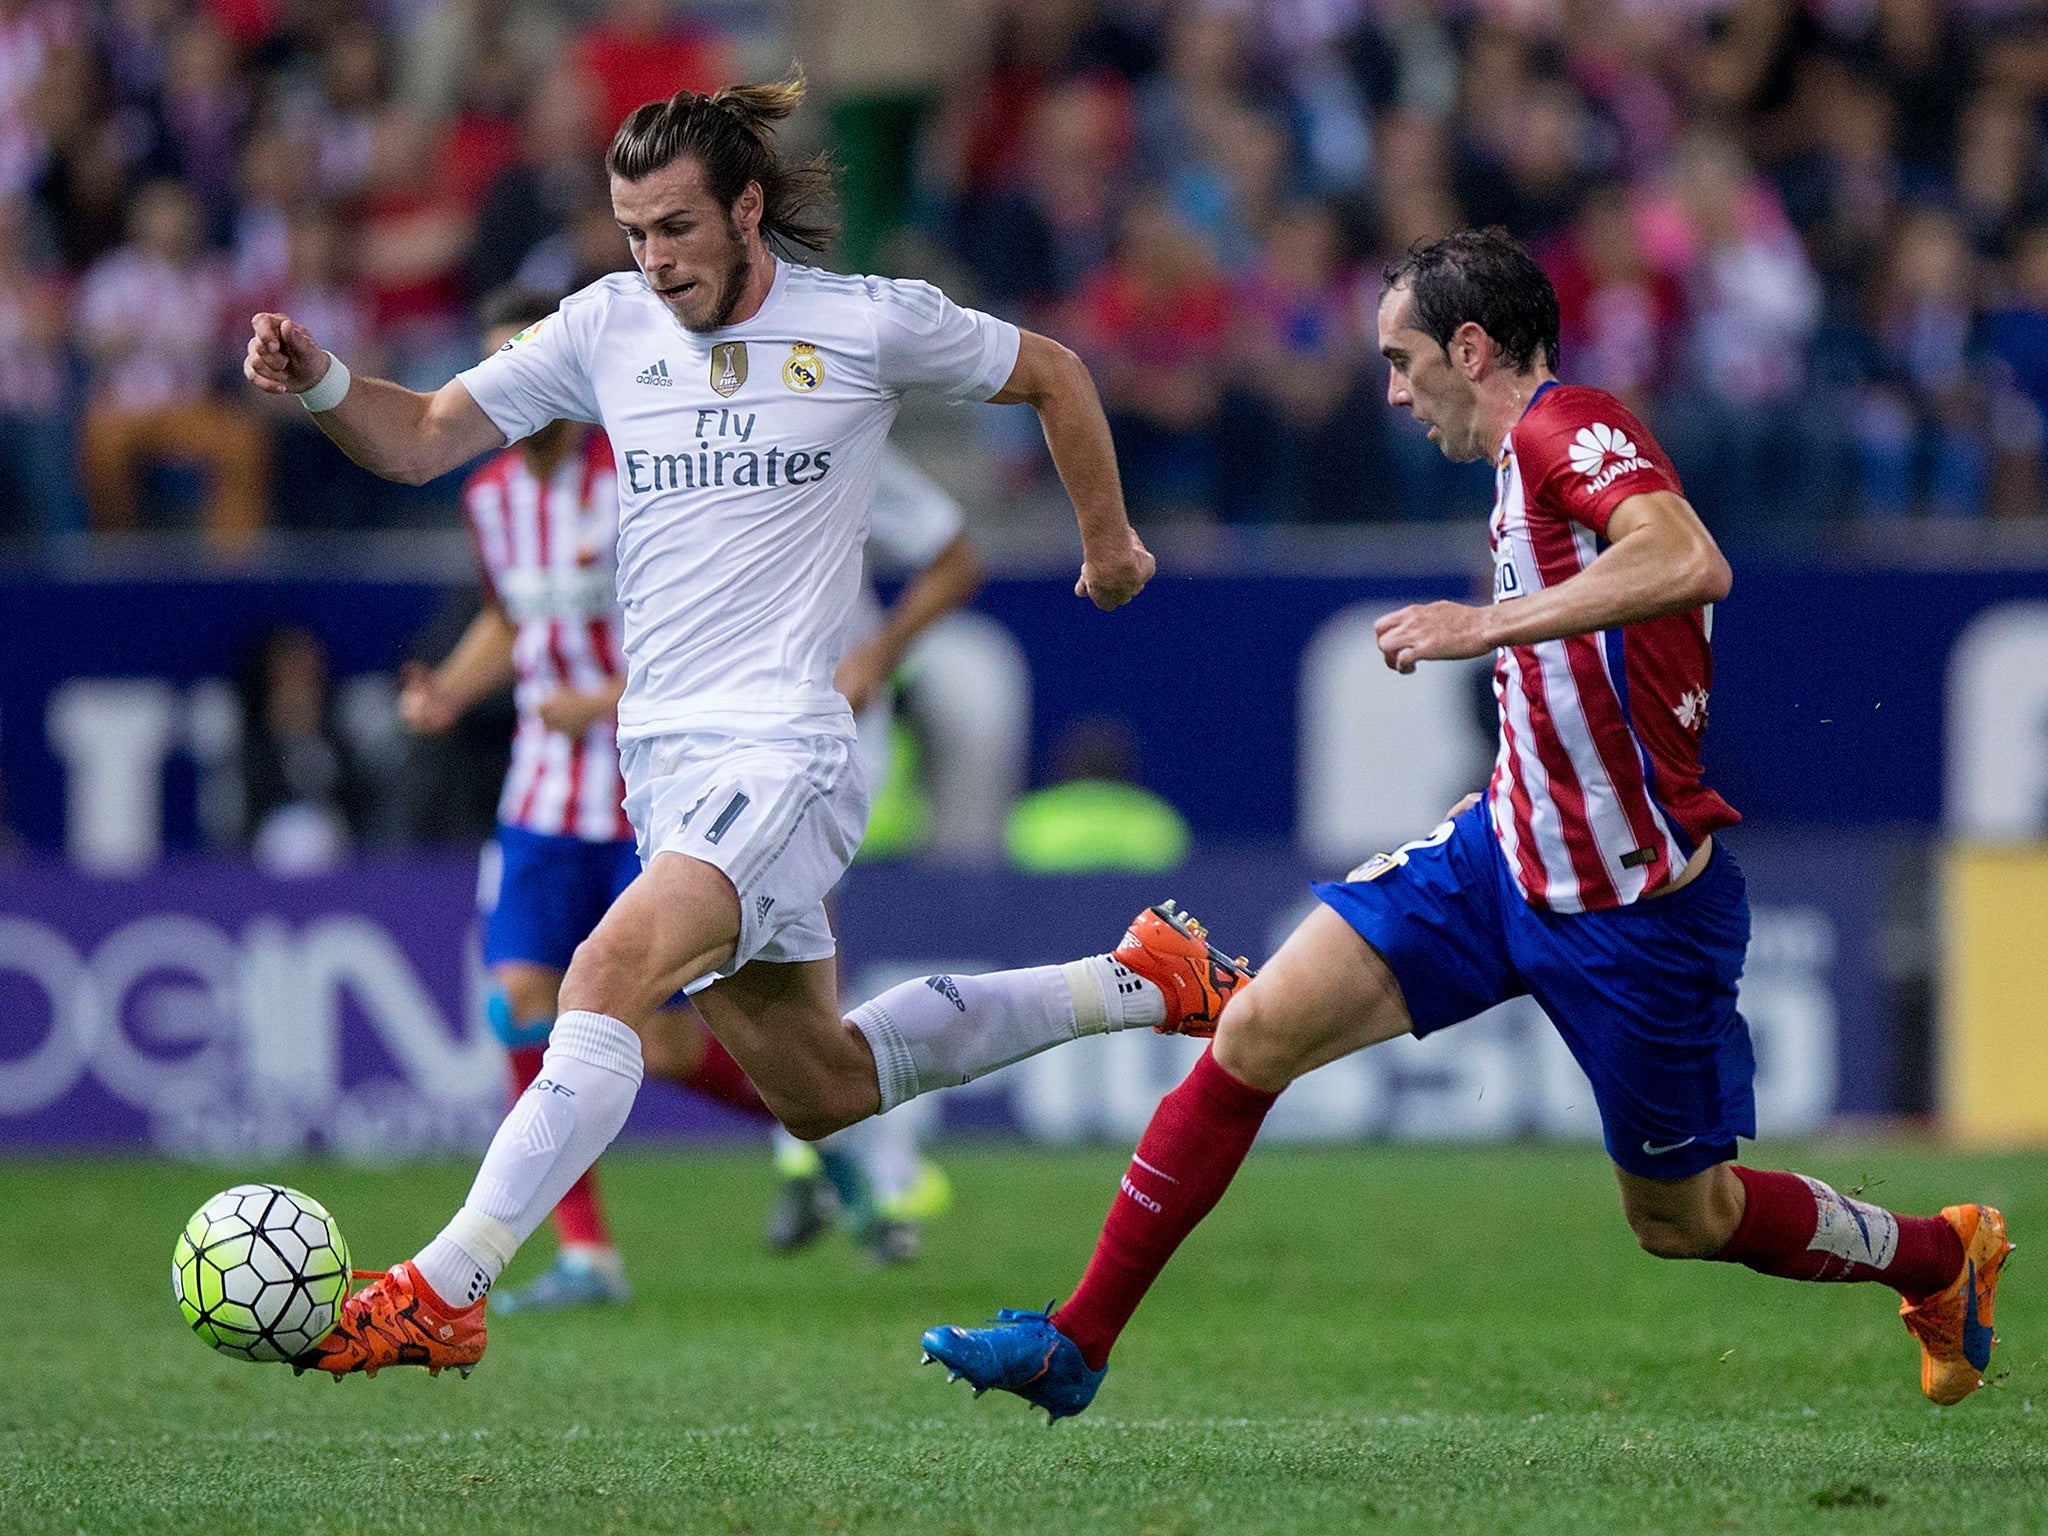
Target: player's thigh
(1645,997)
(676,923)
(1408,941)
(1326,994)
(781,1022)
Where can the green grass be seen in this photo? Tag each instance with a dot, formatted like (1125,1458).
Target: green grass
(1376,1340)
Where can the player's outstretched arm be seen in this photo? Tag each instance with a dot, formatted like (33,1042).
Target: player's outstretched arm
(1659,560)
(390,430)
(1115,565)
(433,699)
(954,575)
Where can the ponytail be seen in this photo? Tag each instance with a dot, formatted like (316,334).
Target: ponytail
(731,134)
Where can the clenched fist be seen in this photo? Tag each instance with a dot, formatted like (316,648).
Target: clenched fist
(1114,577)
(283,357)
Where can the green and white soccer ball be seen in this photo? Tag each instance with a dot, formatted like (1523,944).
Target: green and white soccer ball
(260,1272)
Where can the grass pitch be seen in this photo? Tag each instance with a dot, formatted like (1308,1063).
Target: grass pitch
(1373,1340)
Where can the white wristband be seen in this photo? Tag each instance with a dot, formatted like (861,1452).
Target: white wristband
(327,394)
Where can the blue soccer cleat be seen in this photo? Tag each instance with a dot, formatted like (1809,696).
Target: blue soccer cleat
(1022,1353)
(571,1283)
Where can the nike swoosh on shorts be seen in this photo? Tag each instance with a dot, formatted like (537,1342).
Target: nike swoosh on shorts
(1670,1147)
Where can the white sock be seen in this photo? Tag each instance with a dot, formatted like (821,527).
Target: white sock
(587,1083)
(941,1031)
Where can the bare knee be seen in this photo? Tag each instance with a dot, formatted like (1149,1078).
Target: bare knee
(531,991)
(1254,1047)
(1690,1218)
(606,974)
(815,1120)
(1673,1237)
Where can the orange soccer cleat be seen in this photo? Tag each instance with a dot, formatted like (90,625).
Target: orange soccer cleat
(1954,1325)
(1172,951)
(398,1320)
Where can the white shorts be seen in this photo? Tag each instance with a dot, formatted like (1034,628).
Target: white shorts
(781,818)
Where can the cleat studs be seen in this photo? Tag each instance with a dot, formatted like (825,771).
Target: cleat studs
(465,1369)
(980,1391)
(926,1357)
(953,1376)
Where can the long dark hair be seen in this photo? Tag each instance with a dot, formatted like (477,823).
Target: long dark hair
(731,134)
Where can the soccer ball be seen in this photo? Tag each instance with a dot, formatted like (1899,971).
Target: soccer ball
(260,1272)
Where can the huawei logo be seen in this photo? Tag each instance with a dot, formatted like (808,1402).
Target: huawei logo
(1603,455)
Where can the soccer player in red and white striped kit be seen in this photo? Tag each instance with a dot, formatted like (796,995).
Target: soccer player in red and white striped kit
(1588,875)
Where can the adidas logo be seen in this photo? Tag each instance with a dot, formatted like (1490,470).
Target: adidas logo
(762,904)
(943,985)
(656,375)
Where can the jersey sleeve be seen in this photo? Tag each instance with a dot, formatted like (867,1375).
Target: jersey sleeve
(540,375)
(923,340)
(1587,454)
(912,518)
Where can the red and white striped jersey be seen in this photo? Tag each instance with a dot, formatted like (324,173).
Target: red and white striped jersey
(547,554)
(1596,794)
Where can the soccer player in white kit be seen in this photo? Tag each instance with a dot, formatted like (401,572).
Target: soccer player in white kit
(544,517)
(747,400)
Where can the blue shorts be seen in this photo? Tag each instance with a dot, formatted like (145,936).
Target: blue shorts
(1644,994)
(551,892)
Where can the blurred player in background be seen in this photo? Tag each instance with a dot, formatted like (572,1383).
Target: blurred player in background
(1587,876)
(544,516)
(747,399)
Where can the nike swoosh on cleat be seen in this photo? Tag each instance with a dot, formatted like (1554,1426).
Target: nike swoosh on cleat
(1672,1147)
(1977,1340)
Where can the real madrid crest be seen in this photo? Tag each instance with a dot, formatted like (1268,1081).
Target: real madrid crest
(805,370)
(728,367)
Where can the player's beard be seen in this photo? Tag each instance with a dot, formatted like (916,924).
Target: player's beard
(734,286)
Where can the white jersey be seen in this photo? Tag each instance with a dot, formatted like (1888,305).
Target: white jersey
(747,459)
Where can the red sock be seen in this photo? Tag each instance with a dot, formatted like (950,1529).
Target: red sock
(1799,1229)
(579,1219)
(719,1077)
(1185,1160)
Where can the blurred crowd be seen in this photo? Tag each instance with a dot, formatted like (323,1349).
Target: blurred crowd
(1806,239)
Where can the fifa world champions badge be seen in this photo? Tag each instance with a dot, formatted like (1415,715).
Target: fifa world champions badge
(805,370)
(728,367)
